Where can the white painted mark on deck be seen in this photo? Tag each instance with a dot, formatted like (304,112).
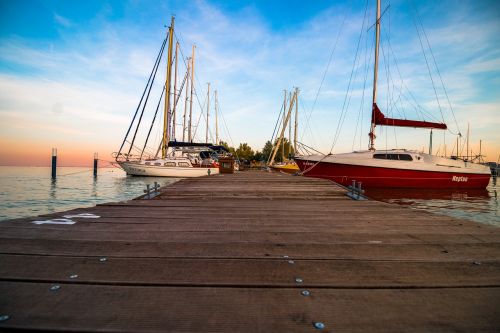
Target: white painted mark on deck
(83,215)
(55,221)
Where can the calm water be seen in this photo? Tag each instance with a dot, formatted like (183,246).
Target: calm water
(477,205)
(29,191)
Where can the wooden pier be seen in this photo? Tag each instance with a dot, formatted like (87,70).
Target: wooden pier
(250,252)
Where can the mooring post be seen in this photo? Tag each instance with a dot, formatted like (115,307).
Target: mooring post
(54,162)
(95,164)
(360,190)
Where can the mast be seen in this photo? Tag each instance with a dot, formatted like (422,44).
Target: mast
(375,77)
(166,113)
(216,119)
(190,137)
(175,90)
(208,110)
(467,158)
(186,101)
(290,133)
(284,125)
(283,129)
(430,143)
(296,121)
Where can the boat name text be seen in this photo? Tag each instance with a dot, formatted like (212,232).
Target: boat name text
(459,179)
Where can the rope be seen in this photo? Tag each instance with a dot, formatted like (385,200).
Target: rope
(147,96)
(437,68)
(323,78)
(140,101)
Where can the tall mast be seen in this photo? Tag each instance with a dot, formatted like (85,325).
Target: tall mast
(296,121)
(190,137)
(175,90)
(430,143)
(467,158)
(166,113)
(216,119)
(375,77)
(284,125)
(290,132)
(208,111)
(287,116)
(186,101)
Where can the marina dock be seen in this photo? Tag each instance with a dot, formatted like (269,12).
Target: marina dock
(249,252)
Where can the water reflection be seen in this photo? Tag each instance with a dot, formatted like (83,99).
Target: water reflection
(478,205)
(419,194)
(29,191)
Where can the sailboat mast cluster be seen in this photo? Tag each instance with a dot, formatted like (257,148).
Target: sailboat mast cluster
(172,159)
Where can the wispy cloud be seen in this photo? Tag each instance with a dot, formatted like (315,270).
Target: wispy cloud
(62,21)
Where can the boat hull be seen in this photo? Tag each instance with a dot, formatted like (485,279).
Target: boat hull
(376,176)
(136,169)
(290,168)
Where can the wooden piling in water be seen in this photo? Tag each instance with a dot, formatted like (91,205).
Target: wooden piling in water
(54,163)
(95,164)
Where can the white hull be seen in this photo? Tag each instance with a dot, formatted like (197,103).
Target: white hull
(138,169)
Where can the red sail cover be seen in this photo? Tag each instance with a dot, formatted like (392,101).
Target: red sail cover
(379,119)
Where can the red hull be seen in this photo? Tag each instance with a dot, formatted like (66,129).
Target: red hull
(386,177)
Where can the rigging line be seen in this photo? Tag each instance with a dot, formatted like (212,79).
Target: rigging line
(415,104)
(153,121)
(227,131)
(324,76)
(428,68)
(147,98)
(347,97)
(144,92)
(277,122)
(437,68)
(313,138)
(439,73)
(361,105)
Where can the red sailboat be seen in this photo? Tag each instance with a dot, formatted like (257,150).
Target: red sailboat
(398,167)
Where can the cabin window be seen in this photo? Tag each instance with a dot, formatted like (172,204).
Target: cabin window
(183,164)
(169,164)
(157,164)
(405,157)
(400,157)
(147,163)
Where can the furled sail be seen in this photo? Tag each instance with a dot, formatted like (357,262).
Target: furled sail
(378,118)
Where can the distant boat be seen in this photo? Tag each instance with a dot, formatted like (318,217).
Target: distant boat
(394,168)
(177,159)
(287,166)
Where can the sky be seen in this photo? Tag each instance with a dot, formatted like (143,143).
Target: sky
(72,72)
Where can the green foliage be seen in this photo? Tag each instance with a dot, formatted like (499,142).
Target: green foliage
(267,150)
(231,149)
(288,151)
(245,152)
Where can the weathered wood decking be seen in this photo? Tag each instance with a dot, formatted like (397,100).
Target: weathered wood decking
(234,253)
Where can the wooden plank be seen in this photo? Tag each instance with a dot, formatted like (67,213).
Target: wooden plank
(202,309)
(249,272)
(368,251)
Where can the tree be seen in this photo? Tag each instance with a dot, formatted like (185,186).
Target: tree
(279,157)
(267,150)
(231,149)
(244,152)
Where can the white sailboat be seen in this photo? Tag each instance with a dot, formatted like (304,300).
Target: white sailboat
(178,159)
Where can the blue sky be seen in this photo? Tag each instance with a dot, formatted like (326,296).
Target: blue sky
(72,72)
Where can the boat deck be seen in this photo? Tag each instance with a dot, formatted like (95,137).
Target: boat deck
(250,252)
